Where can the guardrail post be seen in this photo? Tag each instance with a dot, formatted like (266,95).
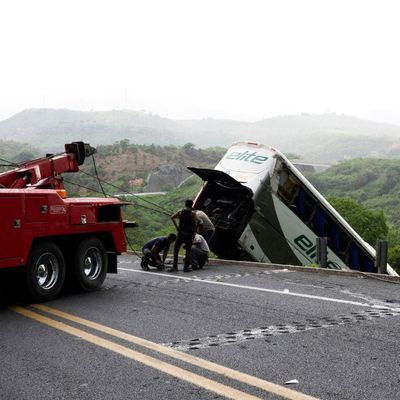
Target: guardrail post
(322,252)
(381,256)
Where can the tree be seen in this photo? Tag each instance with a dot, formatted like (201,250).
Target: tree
(187,147)
(394,257)
(369,224)
(124,145)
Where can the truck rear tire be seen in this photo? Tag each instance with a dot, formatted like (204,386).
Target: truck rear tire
(45,271)
(90,264)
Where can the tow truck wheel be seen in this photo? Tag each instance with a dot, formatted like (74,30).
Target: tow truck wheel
(90,264)
(45,271)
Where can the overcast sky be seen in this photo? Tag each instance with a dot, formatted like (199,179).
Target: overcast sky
(244,59)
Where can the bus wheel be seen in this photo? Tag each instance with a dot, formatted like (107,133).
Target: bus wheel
(45,271)
(90,264)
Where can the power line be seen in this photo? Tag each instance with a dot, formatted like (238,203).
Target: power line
(110,195)
(163,209)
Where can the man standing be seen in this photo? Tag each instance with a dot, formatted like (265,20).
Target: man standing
(199,252)
(186,227)
(152,249)
(204,226)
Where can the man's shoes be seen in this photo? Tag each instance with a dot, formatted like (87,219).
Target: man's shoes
(172,269)
(144,265)
(187,269)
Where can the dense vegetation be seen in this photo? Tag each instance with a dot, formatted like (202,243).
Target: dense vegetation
(371,225)
(374,183)
(15,152)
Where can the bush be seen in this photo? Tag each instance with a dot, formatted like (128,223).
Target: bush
(394,257)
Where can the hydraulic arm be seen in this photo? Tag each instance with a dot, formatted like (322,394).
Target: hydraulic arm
(45,172)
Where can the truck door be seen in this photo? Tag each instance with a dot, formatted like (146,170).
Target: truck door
(10,223)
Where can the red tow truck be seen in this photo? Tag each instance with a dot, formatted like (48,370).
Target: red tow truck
(51,237)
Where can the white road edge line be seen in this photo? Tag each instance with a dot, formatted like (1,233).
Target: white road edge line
(282,292)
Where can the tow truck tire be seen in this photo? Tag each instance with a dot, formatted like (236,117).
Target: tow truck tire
(90,264)
(45,271)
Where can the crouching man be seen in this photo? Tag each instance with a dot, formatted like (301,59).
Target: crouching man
(152,249)
(199,252)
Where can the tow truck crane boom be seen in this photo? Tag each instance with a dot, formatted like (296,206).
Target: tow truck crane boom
(45,172)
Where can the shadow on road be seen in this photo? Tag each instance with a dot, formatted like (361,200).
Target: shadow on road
(12,289)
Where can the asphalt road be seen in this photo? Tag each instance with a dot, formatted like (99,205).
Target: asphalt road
(228,331)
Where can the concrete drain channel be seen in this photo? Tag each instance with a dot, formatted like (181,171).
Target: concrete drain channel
(280,329)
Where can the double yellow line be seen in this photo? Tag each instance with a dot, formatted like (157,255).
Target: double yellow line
(180,373)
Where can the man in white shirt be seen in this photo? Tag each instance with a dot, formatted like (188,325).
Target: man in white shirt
(199,252)
(204,226)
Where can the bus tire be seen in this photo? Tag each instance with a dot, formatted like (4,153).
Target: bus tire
(45,271)
(90,264)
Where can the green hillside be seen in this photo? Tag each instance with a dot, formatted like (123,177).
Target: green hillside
(16,152)
(121,163)
(374,183)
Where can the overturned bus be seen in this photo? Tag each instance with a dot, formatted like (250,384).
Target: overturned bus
(265,210)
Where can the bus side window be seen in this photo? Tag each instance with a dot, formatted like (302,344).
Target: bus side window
(319,222)
(288,188)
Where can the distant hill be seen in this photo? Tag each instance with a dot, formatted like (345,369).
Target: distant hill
(320,138)
(14,152)
(47,127)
